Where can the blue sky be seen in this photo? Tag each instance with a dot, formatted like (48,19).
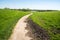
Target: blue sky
(32,4)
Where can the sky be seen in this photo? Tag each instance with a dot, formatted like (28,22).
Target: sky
(31,4)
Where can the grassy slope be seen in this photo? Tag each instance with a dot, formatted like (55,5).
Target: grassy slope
(8,19)
(50,21)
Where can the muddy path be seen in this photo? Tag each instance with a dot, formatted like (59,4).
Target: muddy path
(21,30)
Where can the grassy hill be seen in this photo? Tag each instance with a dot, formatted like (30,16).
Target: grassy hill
(8,19)
(49,21)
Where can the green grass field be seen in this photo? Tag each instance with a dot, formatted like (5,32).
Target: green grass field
(8,19)
(49,21)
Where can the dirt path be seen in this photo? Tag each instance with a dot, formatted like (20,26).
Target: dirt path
(20,32)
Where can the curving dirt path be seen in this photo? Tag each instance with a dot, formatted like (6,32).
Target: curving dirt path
(20,32)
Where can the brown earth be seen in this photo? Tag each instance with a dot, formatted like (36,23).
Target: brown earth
(38,32)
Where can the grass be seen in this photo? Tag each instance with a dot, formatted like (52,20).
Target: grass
(49,21)
(8,19)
